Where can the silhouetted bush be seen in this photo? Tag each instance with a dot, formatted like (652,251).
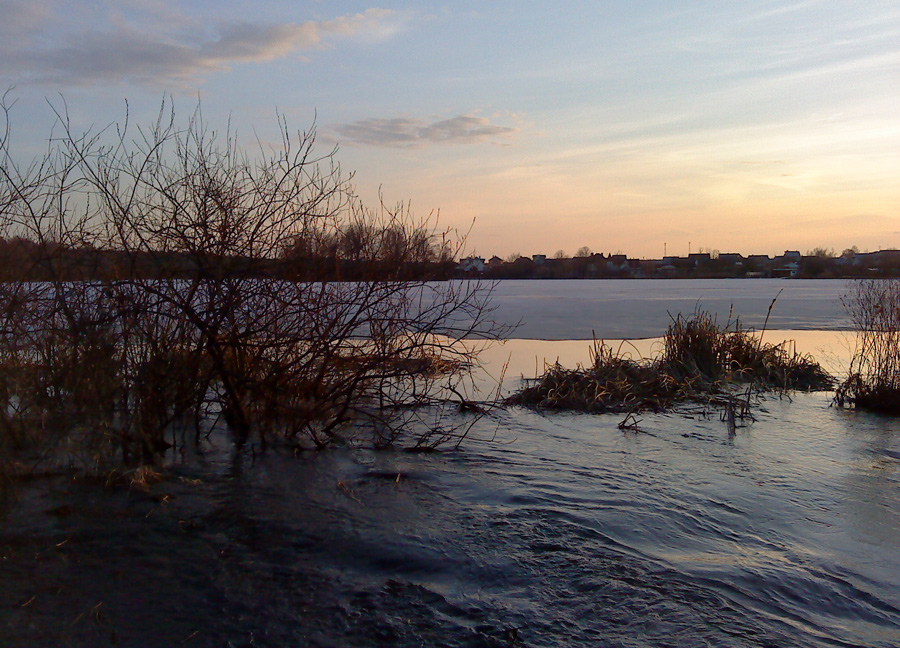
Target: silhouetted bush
(183,281)
(873,382)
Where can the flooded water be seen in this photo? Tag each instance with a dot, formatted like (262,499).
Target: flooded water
(557,530)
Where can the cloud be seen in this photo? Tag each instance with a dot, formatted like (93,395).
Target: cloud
(19,19)
(408,132)
(144,49)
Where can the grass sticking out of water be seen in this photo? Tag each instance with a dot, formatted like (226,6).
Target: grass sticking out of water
(873,383)
(701,362)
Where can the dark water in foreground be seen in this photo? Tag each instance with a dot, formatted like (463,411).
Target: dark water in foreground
(562,532)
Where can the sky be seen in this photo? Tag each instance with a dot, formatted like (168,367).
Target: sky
(636,126)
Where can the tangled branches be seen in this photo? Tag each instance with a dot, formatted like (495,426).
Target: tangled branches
(160,280)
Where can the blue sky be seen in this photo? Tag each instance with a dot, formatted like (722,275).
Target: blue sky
(624,126)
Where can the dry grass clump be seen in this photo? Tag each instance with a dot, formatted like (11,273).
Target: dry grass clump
(701,362)
(613,383)
(873,383)
(881,396)
(697,348)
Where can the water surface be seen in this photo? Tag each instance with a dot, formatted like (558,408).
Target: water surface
(556,530)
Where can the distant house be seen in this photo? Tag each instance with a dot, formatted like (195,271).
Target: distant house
(699,258)
(758,265)
(471,264)
(539,259)
(787,270)
(847,258)
(617,262)
(787,265)
(495,262)
(880,259)
(731,258)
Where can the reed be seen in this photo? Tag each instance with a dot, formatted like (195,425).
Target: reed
(873,382)
(701,361)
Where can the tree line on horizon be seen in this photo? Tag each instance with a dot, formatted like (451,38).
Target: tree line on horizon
(359,252)
(817,263)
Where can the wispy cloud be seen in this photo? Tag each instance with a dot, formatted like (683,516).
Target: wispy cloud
(19,20)
(409,132)
(140,47)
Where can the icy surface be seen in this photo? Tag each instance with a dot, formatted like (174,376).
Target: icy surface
(609,308)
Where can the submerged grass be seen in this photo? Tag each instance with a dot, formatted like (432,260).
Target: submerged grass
(702,362)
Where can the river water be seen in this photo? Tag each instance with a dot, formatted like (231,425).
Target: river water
(541,530)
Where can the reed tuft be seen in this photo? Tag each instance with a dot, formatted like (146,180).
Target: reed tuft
(873,383)
(701,362)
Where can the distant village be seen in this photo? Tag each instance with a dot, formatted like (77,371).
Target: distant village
(818,264)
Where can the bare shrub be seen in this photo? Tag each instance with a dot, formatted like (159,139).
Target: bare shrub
(873,382)
(173,277)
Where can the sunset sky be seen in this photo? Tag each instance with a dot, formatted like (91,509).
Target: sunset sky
(633,125)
